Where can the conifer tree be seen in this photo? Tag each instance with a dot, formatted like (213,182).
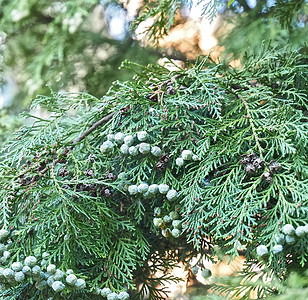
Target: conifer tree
(202,160)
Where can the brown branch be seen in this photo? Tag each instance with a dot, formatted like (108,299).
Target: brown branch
(74,143)
(86,133)
(83,136)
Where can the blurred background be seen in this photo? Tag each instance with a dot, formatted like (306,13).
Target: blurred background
(79,45)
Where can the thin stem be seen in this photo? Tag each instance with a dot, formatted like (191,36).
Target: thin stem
(75,142)
(92,128)
(83,136)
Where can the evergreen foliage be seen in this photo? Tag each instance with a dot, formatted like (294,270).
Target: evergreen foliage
(242,137)
(105,196)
